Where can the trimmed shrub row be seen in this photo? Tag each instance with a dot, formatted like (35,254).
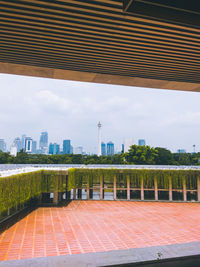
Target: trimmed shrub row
(80,177)
(18,189)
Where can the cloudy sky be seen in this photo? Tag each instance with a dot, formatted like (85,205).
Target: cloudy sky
(71,110)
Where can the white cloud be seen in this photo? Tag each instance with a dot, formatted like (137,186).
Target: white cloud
(50,100)
(68,109)
(186,119)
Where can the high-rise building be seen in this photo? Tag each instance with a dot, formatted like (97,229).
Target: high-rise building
(110,148)
(13,150)
(28,144)
(2,145)
(103,149)
(99,125)
(141,142)
(23,141)
(34,147)
(67,147)
(122,148)
(54,149)
(44,142)
(127,143)
(16,146)
(17,143)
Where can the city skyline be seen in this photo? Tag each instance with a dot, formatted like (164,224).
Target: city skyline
(44,147)
(71,110)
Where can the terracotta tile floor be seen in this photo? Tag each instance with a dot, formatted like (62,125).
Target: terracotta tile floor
(92,226)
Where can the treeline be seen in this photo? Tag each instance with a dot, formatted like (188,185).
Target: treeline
(141,155)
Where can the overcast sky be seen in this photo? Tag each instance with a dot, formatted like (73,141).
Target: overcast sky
(71,110)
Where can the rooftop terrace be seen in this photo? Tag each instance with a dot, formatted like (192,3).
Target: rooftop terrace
(97,226)
(64,211)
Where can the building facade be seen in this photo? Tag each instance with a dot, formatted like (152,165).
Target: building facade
(110,148)
(103,149)
(54,149)
(44,142)
(34,147)
(67,146)
(17,143)
(28,144)
(23,141)
(2,145)
(141,142)
(127,143)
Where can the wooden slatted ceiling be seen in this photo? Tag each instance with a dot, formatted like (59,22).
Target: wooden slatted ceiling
(95,36)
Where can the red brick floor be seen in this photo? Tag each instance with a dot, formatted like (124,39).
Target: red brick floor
(93,226)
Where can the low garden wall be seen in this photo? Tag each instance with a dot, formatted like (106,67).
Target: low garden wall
(135,184)
(18,191)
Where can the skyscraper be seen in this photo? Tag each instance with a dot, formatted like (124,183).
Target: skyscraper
(16,146)
(23,141)
(34,147)
(99,138)
(44,142)
(67,146)
(103,149)
(110,148)
(28,144)
(13,150)
(127,143)
(2,145)
(141,142)
(54,149)
(122,148)
(17,143)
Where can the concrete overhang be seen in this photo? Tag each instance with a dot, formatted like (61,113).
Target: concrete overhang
(98,41)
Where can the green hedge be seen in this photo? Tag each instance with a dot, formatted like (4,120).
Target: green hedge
(18,189)
(77,177)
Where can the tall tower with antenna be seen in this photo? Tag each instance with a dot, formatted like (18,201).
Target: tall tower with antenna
(99,138)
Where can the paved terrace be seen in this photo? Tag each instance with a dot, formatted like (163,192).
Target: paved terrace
(100,226)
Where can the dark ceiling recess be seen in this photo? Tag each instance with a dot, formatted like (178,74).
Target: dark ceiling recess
(184,12)
(96,38)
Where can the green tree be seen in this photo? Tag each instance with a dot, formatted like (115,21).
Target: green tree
(5,157)
(21,158)
(141,155)
(182,158)
(165,156)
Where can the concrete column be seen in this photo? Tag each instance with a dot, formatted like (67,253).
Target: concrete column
(79,193)
(115,188)
(142,188)
(68,195)
(74,193)
(101,187)
(198,188)
(170,188)
(55,198)
(156,188)
(88,191)
(128,188)
(184,190)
